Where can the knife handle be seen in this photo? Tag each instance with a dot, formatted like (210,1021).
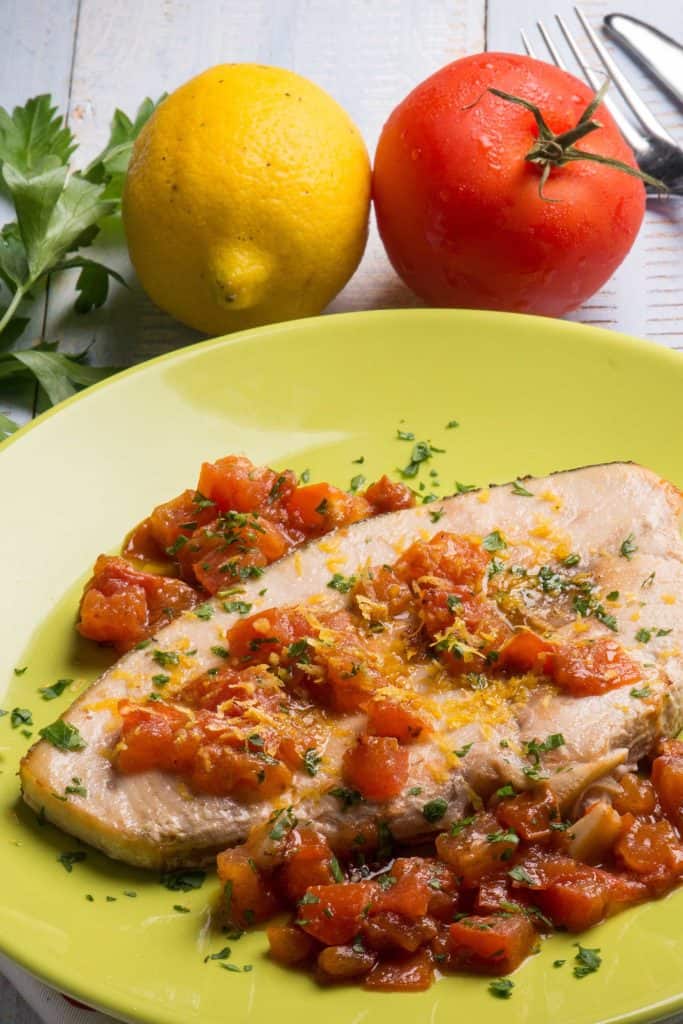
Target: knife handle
(661,55)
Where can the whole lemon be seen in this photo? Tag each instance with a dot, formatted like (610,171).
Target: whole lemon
(246,199)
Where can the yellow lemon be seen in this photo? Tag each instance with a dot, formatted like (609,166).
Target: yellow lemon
(246,199)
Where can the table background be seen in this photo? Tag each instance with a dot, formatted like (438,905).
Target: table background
(93,56)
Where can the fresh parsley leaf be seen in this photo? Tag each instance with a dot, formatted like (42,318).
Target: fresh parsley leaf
(643,636)
(348,797)
(628,547)
(640,693)
(220,652)
(312,760)
(68,859)
(222,954)
(357,482)
(56,690)
(587,961)
(464,488)
(336,870)
(518,874)
(21,716)
(109,167)
(166,658)
(501,988)
(405,435)
(241,607)
(571,560)
(434,810)
(342,583)
(519,489)
(493,541)
(76,788)
(435,514)
(283,821)
(34,137)
(183,881)
(204,611)
(463,751)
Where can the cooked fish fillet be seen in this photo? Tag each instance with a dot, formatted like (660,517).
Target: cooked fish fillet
(150,819)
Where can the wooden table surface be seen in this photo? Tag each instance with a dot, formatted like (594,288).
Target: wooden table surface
(93,56)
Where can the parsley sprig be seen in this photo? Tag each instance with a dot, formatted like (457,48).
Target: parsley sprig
(57,213)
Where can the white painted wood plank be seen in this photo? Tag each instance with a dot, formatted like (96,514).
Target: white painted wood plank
(367,53)
(645,296)
(37,49)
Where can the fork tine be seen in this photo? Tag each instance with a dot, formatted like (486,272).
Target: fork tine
(632,136)
(527,45)
(646,118)
(552,49)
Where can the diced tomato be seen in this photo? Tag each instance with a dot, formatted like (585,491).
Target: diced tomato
(148,738)
(525,652)
(635,795)
(390,931)
(530,814)
(122,605)
(308,864)
(178,517)
(492,892)
(253,639)
(416,879)
(386,718)
(333,913)
(289,945)
(230,549)
(477,849)
(576,896)
(667,778)
(248,896)
(235,483)
(592,667)
(339,963)
(491,944)
(447,556)
(414,974)
(318,508)
(387,495)
(463,625)
(647,845)
(376,766)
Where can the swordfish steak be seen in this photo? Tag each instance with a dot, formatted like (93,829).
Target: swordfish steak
(398,670)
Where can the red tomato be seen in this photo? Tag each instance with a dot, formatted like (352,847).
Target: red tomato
(593,667)
(491,945)
(376,766)
(458,203)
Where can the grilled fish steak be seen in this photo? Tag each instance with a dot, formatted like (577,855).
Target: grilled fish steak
(150,819)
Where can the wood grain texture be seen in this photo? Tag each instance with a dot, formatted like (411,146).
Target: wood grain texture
(645,296)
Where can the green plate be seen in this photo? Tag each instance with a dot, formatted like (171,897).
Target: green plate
(531,396)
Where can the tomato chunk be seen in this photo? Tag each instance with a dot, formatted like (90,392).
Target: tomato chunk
(491,944)
(289,945)
(446,555)
(248,896)
(525,652)
(386,718)
(667,778)
(387,495)
(592,667)
(376,766)
(318,508)
(530,815)
(647,846)
(478,848)
(333,913)
(308,864)
(414,974)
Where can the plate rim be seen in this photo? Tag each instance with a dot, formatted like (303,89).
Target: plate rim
(604,339)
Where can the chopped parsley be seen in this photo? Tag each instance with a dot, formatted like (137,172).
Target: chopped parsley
(283,821)
(357,482)
(182,881)
(305,476)
(534,748)
(71,857)
(63,735)
(453,602)
(505,791)
(20,716)
(501,988)
(628,547)
(405,435)
(519,489)
(312,760)
(452,424)
(422,451)
(348,797)
(56,690)
(76,788)
(336,871)
(503,836)
(204,611)
(160,679)
(434,810)
(648,581)
(241,607)
(436,513)
(587,961)
(414,790)
(220,652)
(299,651)
(321,509)
(20,671)
(571,560)
(459,826)
(222,954)
(463,750)
(643,636)
(612,596)
(166,658)
(493,541)
(180,909)
(641,693)
(342,583)
(464,488)
(518,874)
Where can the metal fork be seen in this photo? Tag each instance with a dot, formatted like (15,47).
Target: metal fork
(656,152)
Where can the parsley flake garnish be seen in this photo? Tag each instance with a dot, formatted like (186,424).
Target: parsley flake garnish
(336,870)
(220,652)
(463,750)
(348,797)
(459,826)
(166,658)
(312,760)
(222,954)
(464,488)
(641,693)
(571,560)
(493,541)
(20,671)
(283,821)
(434,810)
(63,735)
(76,788)
(436,513)
(587,961)
(204,611)
(518,874)
(628,547)
(56,690)
(519,489)
(183,881)
(342,583)
(501,988)
(241,607)
(71,857)
(405,435)
(357,482)
(452,424)
(21,716)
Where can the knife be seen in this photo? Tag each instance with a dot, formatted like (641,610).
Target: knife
(658,53)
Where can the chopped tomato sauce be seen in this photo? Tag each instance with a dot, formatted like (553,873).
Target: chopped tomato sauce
(238,520)
(591,667)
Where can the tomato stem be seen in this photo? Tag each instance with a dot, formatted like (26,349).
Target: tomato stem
(555,150)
